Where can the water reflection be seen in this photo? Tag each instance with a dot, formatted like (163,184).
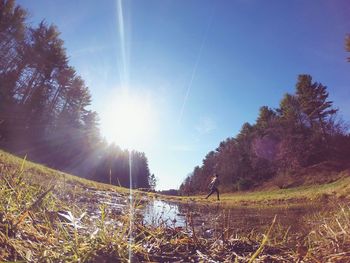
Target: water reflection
(238,219)
(158,212)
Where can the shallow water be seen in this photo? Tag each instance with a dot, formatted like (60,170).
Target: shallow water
(241,220)
(298,219)
(159,212)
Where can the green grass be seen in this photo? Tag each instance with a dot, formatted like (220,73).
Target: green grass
(337,190)
(33,197)
(318,192)
(45,175)
(32,229)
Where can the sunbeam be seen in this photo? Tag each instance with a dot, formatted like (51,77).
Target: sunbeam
(130,110)
(124,64)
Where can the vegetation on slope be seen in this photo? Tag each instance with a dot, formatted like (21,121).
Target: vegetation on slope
(303,132)
(332,190)
(44,106)
(45,216)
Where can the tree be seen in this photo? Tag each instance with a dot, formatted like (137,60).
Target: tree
(44,106)
(303,131)
(152,181)
(12,44)
(140,171)
(290,113)
(265,118)
(314,103)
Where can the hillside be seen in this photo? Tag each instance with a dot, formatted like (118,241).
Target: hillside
(45,106)
(303,141)
(48,215)
(310,188)
(42,176)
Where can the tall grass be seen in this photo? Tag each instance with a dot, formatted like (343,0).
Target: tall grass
(34,227)
(44,221)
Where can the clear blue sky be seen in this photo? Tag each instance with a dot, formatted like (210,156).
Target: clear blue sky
(204,66)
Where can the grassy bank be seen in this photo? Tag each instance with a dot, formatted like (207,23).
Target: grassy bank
(46,216)
(335,190)
(338,190)
(41,174)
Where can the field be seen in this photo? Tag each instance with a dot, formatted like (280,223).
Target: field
(337,190)
(50,216)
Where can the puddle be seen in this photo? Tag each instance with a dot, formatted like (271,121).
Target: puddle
(158,212)
(239,219)
(207,219)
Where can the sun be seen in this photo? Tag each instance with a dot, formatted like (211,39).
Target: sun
(129,120)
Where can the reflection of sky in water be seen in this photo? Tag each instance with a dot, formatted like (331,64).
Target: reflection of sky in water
(157,212)
(241,219)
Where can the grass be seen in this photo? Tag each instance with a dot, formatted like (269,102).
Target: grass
(45,216)
(319,192)
(337,190)
(40,173)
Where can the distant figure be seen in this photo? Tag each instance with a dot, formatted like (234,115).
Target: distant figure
(213,186)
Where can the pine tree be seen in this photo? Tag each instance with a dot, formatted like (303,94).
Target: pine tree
(314,103)
(265,118)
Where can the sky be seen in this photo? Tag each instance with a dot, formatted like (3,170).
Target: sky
(190,73)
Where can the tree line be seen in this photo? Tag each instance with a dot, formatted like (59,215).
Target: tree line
(44,107)
(303,131)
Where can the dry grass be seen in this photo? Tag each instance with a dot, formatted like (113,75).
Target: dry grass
(338,190)
(329,241)
(35,226)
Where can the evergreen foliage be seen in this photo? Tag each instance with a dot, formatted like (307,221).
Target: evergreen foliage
(303,131)
(44,106)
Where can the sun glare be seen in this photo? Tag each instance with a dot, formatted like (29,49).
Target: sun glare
(129,120)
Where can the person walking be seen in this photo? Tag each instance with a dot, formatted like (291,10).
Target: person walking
(213,186)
